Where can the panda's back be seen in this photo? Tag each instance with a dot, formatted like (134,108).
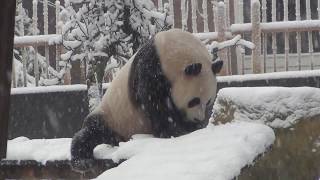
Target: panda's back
(119,112)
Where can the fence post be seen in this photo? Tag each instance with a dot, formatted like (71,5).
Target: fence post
(264,19)
(45,30)
(286,35)
(298,18)
(274,35)
(7,13)
(184,14)
(58,52)
(227,29)
(205,15)
(310,36)
(171,5)
(194,15)
(238,11)
(23,50)
(221,28)
(256,36)
(35,25)
(214,12)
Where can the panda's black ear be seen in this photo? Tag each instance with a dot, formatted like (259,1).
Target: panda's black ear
(193,69)
(216,66)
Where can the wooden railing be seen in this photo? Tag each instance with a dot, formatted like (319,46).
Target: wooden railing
(229,20)
(219,21)
(37,41)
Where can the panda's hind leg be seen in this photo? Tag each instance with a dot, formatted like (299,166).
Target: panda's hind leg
(93,133)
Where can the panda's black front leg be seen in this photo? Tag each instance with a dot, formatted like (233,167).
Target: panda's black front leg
(93,133)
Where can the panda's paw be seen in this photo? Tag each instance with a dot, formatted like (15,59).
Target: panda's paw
(82,165)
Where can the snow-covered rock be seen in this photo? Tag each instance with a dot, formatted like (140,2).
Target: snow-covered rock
(278,107)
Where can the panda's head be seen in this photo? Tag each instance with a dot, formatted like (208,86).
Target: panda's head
(188,66)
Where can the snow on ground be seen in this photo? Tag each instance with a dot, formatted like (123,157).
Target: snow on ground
(216,152)
(277,107)
(266,76)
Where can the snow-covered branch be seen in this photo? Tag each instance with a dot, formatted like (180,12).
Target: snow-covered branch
(236,41)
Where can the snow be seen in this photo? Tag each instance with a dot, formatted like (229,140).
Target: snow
(216,152)
(46,89)
(279,26)
(278,107)
(41,150)
(266,76)
(50,39)
(235,41)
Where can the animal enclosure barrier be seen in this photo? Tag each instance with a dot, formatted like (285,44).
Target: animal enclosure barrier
(284,41)
(50,75)
(285,33)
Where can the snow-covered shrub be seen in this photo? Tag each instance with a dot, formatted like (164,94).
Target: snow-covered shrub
(103,34)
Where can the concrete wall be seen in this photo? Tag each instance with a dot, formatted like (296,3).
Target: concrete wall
(47,115)
(60,113)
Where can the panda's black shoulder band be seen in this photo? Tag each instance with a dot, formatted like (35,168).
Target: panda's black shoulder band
(149,88)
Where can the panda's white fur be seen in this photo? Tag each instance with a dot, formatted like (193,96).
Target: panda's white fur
(151,87)
(119,112)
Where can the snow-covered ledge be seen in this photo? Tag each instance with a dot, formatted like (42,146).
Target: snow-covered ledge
(216,152)
(278,107)
(293,113)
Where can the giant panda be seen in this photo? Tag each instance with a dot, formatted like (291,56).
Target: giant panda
(163,90)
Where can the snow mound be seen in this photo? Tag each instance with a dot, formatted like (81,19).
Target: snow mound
(216,152)
(278,107)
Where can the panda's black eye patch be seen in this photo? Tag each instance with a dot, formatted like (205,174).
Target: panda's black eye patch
(193,69)
(194,102)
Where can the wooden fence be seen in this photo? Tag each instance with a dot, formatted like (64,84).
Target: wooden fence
(229,20)
(221,20)
(37,40)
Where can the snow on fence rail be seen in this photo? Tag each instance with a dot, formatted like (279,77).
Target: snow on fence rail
(36,41)
(229,19)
